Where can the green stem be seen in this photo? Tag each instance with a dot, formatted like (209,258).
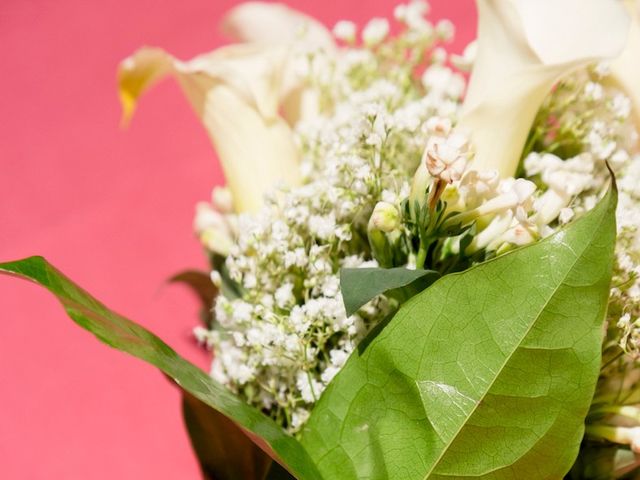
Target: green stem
(422,256)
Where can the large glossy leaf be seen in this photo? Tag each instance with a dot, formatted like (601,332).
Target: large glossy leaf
(129,337)
(486,374)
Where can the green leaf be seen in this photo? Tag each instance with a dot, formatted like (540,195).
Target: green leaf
(129,337)
(360,285)
(487,374)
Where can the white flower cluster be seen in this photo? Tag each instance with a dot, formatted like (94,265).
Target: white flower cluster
(214,222)
(284,336)
(625,293)
(502,211)
(391,62)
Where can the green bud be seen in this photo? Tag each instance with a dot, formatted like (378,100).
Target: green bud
(418,195)
(385,217)
(385,235)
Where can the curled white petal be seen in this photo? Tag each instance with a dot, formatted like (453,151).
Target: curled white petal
(524,48)
(235,92)
(275,23)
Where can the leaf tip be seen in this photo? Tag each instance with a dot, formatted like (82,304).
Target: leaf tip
(13,265)
(614,182)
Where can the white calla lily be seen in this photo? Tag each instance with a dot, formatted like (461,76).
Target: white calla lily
(235,91)
(524,48)
(277,24)
(626,68)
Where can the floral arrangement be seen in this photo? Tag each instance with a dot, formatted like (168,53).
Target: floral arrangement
(423,265)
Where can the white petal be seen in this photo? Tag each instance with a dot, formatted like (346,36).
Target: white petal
(549,206)
(274,23)
(498,225)
(626,68)
(234,91)
(523,189)
(524,48)
(565,31)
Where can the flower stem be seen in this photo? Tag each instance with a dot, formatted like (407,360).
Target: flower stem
(422,256)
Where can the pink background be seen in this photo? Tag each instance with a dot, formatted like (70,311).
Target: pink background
(112,209)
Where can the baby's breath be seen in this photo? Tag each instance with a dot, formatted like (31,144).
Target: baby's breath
(286,336)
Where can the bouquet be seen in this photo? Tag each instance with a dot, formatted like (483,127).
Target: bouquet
(423,265)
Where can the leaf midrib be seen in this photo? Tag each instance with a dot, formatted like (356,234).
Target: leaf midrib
(446,447)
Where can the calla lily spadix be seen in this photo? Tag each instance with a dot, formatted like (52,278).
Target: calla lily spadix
(524,48)
(626,68)
(277,24)
(235,91)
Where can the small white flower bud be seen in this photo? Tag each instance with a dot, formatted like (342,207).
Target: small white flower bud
(440,126)
(439,55)
(624,321)
(375,31)
(216,241)
(212,228)
(445,29)
(421,180)
(498,225)
(412,14)
(284,295)
(206,217)
(345,31)
(446,158)
(216,279)
(621,106)
(513,193)
(521,232)
(400,12)
(222,199)
(441,80)
(566,214)
(385,217)
(478,187)
(593,91)
(465,61)
(602,69)
(549,206)
(203,336)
